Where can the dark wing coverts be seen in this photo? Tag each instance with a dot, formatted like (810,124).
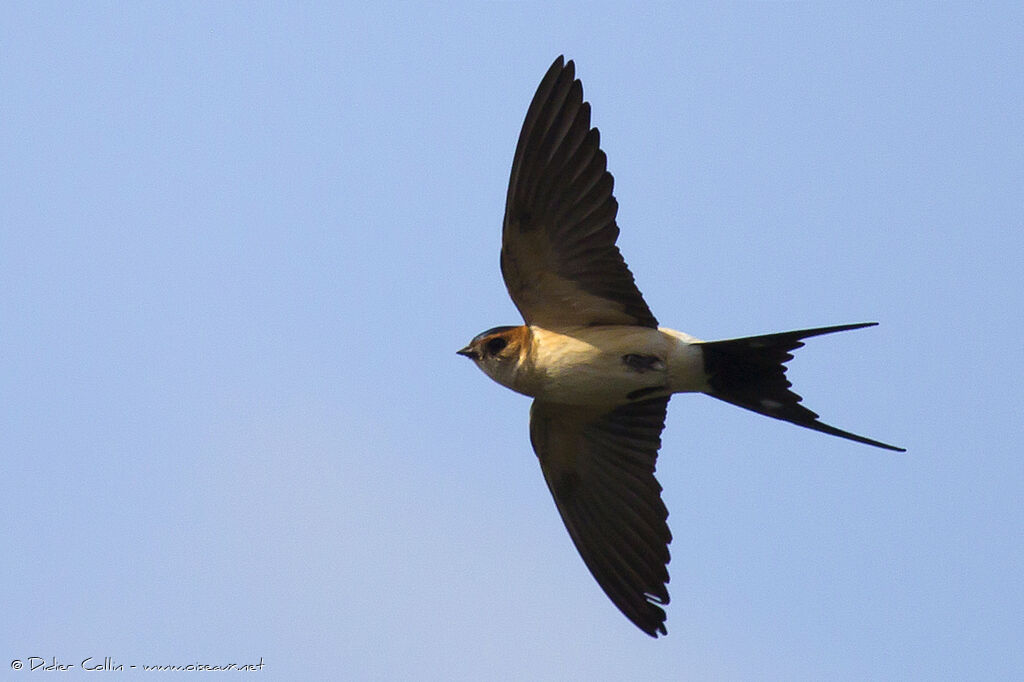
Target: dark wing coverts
(558,254)
(600,470)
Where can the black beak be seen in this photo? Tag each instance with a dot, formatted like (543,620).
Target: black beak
(468,352)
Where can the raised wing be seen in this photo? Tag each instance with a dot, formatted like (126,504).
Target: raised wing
(558,253)
(600,470)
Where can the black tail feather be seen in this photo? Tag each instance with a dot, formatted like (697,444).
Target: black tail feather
(751,372)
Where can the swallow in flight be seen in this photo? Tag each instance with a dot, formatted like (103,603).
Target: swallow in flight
(592,356)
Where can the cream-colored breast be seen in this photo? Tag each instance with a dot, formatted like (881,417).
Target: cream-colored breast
(585,365)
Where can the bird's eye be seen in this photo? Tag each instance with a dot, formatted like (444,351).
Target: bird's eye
(495,345)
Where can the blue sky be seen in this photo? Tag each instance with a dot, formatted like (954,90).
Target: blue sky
(239,245)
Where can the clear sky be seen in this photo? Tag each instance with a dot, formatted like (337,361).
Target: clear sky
(241,242)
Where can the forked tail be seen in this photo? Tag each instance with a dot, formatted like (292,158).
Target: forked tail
(751,372)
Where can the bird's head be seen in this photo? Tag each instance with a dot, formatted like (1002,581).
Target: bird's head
(498,351)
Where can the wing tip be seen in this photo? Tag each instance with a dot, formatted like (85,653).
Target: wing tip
(561,64)
(655,625)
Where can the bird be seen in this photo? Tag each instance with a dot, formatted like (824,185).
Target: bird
(595,361)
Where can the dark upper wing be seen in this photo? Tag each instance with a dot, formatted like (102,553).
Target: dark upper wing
(558,253)
(600,470)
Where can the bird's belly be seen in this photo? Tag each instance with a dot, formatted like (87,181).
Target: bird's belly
(597,384)
(601,365)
